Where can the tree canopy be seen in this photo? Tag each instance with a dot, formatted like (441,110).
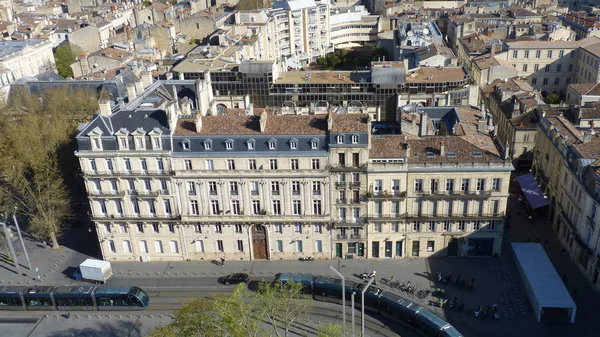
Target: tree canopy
(253,4)
(271,311)
(36,147)
(64,56)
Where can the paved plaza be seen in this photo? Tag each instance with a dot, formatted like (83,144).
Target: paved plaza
(496,279)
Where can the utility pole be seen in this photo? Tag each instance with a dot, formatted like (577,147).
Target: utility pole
(9,243)
(362,305)
(21,238)
(343,294)
(353,293)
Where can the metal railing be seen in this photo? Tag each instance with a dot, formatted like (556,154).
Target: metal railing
(105,194)
(386,195)
(347,168)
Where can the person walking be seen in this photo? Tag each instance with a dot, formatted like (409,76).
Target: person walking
(222,262)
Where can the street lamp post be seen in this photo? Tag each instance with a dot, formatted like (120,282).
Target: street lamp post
(21,238)
(362,305)
(9,242)
(343,294)
(353,293)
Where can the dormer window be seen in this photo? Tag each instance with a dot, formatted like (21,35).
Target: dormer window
(294,144)
(354,139)
(156,143)
(229,144)
(139,143)
(314,144)
(272,144)
(208,144)
(95,141)
(123,143)
(250,144)
(185,145)
(340,139)
(96,144)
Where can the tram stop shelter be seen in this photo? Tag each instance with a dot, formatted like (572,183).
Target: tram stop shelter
(546,291)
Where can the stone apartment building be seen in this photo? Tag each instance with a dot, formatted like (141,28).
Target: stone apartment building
(512,105)
(172,176)
(565,166)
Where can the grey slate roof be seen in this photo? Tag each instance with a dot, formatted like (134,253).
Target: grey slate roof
(395,75)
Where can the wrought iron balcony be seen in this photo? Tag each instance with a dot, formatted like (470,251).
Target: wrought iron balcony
(355,184)
(385,195)
(390,216)
(454,194)
(456,216)
(144,194)
(349,236)
(348,168)
(340,184)
(137,217)
(107,194)
(349,223)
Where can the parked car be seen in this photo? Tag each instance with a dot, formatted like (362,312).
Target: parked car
(235,278)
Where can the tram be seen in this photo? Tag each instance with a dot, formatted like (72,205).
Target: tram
(80,298)
(377,300)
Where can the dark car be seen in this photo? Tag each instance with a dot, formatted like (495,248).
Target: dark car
(235,278)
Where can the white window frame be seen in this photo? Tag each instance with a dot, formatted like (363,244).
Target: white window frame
(207,144)
(185,145)
(294,144)
(229,144)
(272,144)
(355,139)
(138,145)
(340,139)
(251,144)
(314,144)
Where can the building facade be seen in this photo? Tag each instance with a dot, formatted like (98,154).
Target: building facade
(564,165)
(27,58)
(170,176)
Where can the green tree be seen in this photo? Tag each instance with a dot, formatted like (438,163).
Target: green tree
(253,4)
(269,312)
(64,57)
(330,330)
(553,98)
(36,148)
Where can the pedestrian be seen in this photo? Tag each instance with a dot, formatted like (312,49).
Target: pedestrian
(222,262)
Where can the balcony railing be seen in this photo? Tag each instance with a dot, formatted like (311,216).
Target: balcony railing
(349,222)
(340,184)
(349,236)
(144,194)
(387,216)
(275,192)
(316,192)
(355,184)
(138,217)
(457,216)
(129,173)
(347,167)
(591,222)
(107,194)
(454,194)
(386,195)
(296,192)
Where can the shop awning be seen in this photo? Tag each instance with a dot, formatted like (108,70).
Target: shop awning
(534,195)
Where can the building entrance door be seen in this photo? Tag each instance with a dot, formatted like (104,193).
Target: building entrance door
(259,242)
(375,249)
(453,247)
(338,250)
(361,249)
(388,249)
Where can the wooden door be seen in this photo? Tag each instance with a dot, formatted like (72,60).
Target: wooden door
(259,242)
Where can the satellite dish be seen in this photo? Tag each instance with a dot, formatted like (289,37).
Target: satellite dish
(425,31)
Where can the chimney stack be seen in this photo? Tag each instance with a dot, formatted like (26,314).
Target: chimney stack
(146,78)
(492,50)
(329,120)
(198,122)
(104,108)
(121,101)
(506,151)
(139,87)
(481,125)
(442,149)
(186,106)
(423,126)
(131,92)
(263,121)
(407,150)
